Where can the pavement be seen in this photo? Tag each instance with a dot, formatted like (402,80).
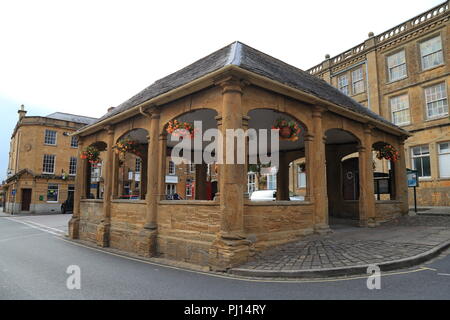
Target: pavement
(404,242)
(348,250)
(431,211)
(34,265)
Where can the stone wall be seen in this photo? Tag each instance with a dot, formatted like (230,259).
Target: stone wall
(431,193)
(91,212)
(127,220)
(186,230)
(269,224)
(387,210)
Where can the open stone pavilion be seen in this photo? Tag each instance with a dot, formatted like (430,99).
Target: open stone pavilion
(236,87)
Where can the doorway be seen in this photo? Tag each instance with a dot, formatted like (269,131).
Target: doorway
(26,199)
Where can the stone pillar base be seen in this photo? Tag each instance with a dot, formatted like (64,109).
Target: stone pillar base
(322,228)
(225,254)
(147,243)
(103,235)
(369,223)
(74,228)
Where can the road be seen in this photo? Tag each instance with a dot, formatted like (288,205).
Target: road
(34,257)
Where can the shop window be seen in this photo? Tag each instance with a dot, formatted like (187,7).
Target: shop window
(52,193)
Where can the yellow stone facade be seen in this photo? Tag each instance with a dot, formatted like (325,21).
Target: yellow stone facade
(370,61)
(27,186)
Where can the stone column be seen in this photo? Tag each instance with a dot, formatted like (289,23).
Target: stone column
(245,121)
(283,178)
(143,182)
(162,156)
(230,247)
(200,181)
(115,177)
(317,173)
(147,247)
(401,185)
(74,223)
(103,229)
(309,156)
(366,181)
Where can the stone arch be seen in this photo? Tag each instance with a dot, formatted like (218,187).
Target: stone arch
(282,176)
(192,180)
(130,168)
(93,180)
(384,169)
(343,178)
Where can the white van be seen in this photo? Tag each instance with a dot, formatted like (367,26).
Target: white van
(270,195)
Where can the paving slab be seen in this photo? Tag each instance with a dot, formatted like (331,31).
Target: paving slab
(400,243)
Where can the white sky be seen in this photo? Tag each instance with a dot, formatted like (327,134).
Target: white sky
(85,56)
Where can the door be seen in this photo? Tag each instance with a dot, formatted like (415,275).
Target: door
(350,179)
(26,199)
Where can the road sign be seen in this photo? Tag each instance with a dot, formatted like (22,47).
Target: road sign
(413,182)
(413,179)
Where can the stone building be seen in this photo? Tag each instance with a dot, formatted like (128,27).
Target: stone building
(236,87)
(42,162)
(402,74)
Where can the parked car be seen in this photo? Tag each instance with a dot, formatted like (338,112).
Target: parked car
(67,205)
(263,195)
(271,195)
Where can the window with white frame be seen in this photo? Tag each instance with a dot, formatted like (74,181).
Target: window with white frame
(436,101)
(52,192)
(48,164)
(343,84)
(421,160)
(251,182)
(74,142)
(444,160)
(396,66)
(400,110)
(138,165)
(271,182)
(171,168)
(191,168)
(73,166)
(431,53)
(358,81)
(171,189)
(50,137)
(301,177)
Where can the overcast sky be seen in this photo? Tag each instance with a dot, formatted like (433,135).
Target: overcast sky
(84,56)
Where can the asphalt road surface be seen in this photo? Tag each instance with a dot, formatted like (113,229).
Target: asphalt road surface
(34,258)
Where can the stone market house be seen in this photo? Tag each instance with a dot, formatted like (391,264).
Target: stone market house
(42,162)
(236,87)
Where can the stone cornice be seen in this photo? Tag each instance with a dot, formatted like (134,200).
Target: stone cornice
(427,21)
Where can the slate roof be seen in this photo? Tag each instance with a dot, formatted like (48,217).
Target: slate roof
(72,118)
(247,58)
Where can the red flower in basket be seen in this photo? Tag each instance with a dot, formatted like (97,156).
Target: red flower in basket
(288,130)
(177,128)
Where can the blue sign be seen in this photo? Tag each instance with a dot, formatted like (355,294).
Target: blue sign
(413,178)
(13,192)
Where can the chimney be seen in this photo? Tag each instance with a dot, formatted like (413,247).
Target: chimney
(110,109)
(21,112)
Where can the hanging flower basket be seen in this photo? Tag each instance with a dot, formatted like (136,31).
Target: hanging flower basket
(177,128)
(92,154)
(125,146)
(387,152)
(288,129)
